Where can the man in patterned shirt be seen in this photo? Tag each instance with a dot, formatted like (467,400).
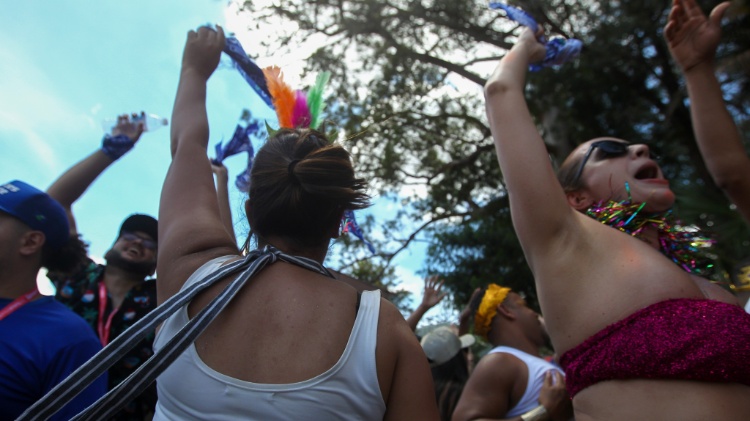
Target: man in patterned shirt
(114,296)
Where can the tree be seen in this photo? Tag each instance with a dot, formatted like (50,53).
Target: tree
(410,74)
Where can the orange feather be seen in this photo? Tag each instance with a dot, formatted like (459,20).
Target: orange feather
(282,94)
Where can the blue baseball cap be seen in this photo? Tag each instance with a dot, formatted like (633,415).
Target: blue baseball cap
(36,209)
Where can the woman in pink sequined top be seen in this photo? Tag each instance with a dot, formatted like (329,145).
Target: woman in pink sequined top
(640,337)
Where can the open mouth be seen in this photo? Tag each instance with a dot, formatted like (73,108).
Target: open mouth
(647,172)
(132,251)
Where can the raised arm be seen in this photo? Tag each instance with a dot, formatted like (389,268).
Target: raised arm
(191,231)
(539,208)
(692,38)
(71,185)
(430,298)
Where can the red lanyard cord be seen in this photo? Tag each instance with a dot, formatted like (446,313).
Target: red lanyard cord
(18,303)
(103,327)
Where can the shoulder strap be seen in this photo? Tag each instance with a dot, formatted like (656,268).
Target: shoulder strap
(139,380)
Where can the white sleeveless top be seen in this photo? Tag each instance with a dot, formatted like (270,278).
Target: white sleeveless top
(190,390)
(537,368)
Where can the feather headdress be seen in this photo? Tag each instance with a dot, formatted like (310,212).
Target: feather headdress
(295,109)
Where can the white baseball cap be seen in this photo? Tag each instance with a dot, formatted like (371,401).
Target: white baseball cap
(441,344)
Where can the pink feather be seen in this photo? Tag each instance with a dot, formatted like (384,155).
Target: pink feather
(301,116)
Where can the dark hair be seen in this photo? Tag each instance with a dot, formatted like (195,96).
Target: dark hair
(300,185)
(449,380)
(67,259)
(566,175)
(475,303)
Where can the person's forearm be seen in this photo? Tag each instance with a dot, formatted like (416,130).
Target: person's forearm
(71,185)
(189,118)
(416,316)
(715,131)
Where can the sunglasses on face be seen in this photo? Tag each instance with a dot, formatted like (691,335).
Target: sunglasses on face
(608,149)
(146,243)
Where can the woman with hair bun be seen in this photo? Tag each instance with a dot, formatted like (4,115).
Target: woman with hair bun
(293,343)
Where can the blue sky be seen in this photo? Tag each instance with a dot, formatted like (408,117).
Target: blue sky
(66,66)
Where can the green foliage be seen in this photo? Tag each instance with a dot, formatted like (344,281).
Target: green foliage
(411,73)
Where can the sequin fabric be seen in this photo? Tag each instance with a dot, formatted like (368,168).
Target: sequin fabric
(681,339)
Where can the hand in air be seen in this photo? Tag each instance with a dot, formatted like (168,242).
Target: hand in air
(203,50)
(691,36)
(432,295)
(529,42)
(220,171)
(128,126)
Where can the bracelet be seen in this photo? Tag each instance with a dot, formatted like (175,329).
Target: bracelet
(116,146)
(741,288)
(537,414)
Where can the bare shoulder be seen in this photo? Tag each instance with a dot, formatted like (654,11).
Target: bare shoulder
(499,365)
(403,371)
(714,292)
(394,335)
(487,393)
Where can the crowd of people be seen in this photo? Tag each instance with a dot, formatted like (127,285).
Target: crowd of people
(271,333)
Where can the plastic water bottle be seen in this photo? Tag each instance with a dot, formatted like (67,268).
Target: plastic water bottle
(151,122)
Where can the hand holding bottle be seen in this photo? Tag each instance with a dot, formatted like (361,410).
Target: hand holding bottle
(149,122)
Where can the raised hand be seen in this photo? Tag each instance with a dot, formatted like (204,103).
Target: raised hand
(529,41)
(129,126)
(432,294)
(691,36)
(221,173)
(203,50)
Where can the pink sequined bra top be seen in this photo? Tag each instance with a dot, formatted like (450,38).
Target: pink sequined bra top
(680,339)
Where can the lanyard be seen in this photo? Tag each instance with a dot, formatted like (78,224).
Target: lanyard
(103,327)
(18,303)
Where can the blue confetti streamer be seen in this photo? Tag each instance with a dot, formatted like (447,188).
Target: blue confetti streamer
(559,50)
(351,225)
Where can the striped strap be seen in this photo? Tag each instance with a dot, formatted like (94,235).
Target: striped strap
(139,380)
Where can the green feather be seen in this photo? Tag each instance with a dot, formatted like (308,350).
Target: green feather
(315,98)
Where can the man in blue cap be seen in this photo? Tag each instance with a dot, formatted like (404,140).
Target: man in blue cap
(114,296)
(41,341)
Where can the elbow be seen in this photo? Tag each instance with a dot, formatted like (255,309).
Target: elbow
(496,87)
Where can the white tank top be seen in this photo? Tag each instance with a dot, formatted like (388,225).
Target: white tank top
(537,367)
(191,390)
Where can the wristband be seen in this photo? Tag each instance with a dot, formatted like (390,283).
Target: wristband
(537,414)
(116,146)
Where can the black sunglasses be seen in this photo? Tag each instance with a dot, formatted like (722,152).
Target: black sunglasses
(609,149)
(129,236)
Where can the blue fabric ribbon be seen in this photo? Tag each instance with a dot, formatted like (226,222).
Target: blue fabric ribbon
(559,50)
(351,225)
(240,142)
(248,69)
(517,15)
